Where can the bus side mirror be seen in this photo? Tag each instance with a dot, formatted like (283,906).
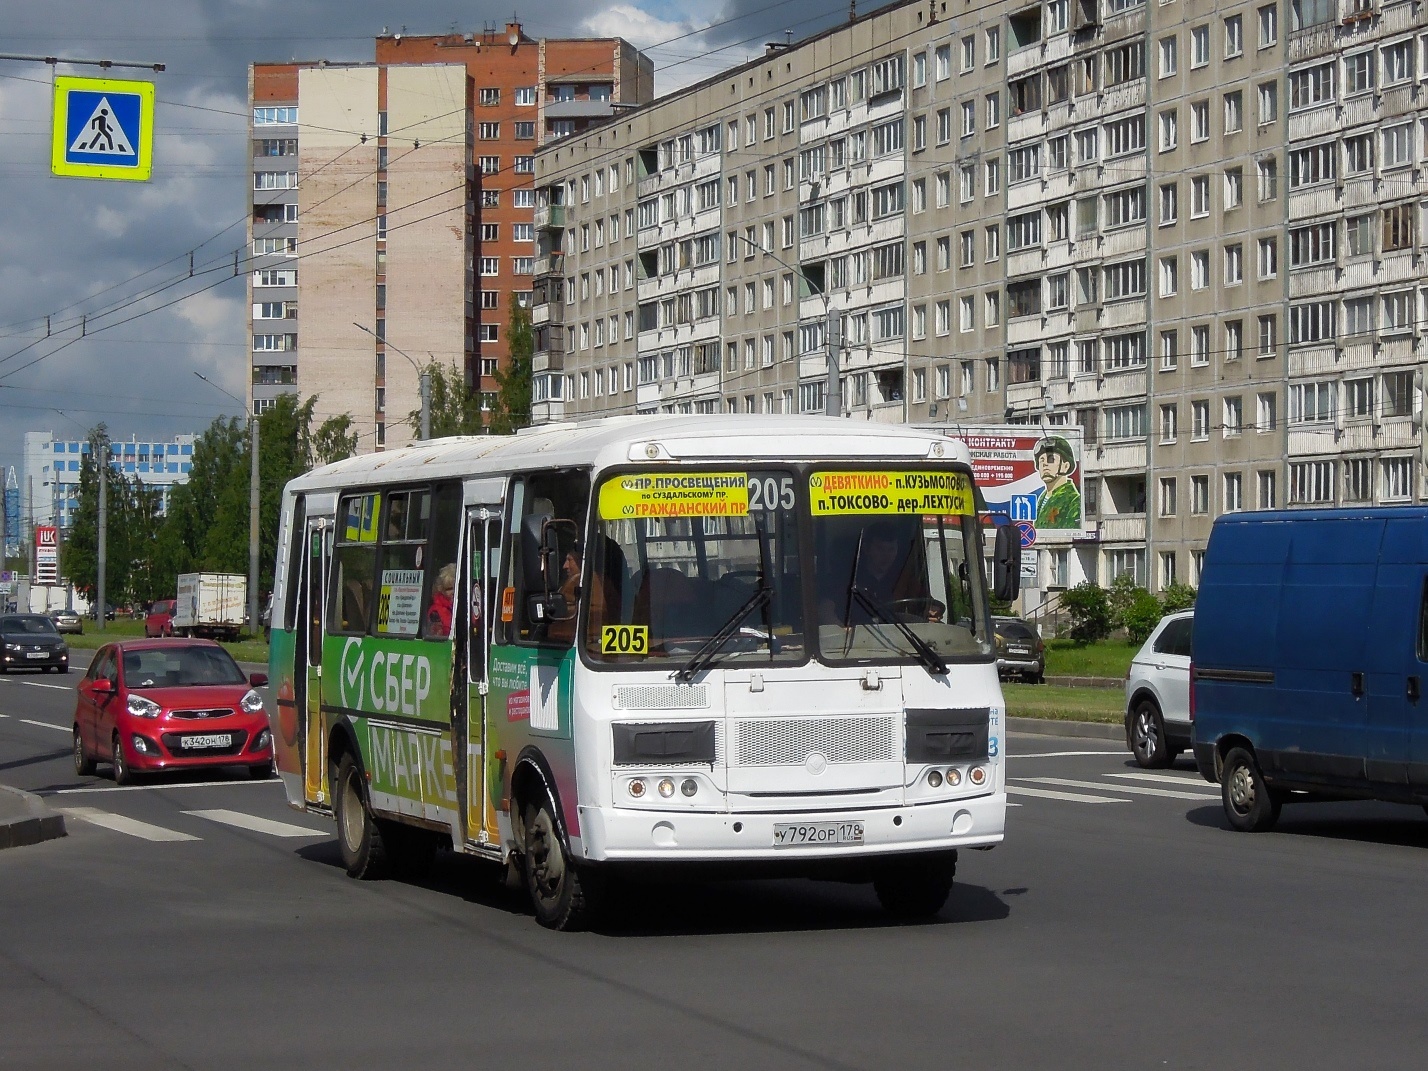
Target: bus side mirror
(550,558)
(1006,564)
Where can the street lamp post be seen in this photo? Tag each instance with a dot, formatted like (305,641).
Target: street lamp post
(253,506)
(423,378)
(833,393)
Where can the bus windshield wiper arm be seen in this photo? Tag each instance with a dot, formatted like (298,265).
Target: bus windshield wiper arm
(711,646)
(925,654)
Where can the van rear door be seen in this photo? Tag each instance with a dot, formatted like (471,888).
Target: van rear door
(1392,647)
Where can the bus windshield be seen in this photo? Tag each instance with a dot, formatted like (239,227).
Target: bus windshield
(712,561)
(897,567)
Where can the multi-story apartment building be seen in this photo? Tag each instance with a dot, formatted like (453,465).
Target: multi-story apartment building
(398,196)
(49,485)
(1193,229)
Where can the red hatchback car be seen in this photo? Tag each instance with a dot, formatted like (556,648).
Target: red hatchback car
(151,705)
(160,618)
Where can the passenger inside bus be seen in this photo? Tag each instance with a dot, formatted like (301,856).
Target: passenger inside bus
(443,593)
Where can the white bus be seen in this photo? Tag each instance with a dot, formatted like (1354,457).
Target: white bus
(754,641)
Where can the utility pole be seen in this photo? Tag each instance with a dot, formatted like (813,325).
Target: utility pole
(424,378)
(833,396)
(101,611)
(253,530)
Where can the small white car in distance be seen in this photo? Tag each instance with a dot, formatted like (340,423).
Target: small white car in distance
(1158,693)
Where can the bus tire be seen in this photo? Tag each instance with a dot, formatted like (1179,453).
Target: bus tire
(558,891)
(1250,805)
(364,853)
(915,889)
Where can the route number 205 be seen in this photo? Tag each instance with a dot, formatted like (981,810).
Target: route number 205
(770,493)
(624,639)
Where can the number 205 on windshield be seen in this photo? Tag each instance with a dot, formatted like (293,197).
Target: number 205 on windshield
(624,639)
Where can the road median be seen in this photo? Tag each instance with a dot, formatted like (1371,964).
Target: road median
(26,819)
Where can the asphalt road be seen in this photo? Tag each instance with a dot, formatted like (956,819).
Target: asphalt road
(206,925)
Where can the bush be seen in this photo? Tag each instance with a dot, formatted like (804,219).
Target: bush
(1121,596)
(1140,618)
(1090,611)
(1177,597)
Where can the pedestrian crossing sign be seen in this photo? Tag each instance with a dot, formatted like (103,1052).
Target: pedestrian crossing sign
(103,128)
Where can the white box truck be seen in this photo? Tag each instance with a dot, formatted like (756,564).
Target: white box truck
(210,604)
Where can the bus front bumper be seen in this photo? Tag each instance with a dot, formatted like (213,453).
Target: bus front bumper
(611,834)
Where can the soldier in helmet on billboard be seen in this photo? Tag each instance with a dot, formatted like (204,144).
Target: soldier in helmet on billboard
(1060,504)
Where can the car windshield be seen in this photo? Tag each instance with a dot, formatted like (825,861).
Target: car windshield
(897,568)
(32,624)
(180,667)
(696,568)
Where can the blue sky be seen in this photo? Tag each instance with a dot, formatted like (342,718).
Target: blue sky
(86,253)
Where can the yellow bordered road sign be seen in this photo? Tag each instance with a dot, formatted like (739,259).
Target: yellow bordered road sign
(103,128)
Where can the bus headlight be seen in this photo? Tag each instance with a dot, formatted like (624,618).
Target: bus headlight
(978,775)
(689,786)
(637,788)
(954,778)
(666,787)
(934,779)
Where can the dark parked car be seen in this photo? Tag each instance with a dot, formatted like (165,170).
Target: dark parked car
(30,641)
(151,705)
(1019,649)
(66,621)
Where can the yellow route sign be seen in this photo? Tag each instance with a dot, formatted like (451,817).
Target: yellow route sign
(674,494)
(103,128)
(833,494)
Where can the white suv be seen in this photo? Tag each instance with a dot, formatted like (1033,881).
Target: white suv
(1158,693)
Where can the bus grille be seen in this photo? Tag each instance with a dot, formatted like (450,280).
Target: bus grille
(661,696)
(789,741)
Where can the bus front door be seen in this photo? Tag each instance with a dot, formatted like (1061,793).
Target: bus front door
(314,583)
(483,775)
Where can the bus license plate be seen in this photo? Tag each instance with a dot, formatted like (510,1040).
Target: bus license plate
(204,740)
(803,834)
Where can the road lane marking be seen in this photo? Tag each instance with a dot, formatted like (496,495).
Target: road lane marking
(1058,754)
(152,788)
(256,824)
(1071,797)
(1138,790)
(44,724)
(120,824)
(37,684)
(1187,780)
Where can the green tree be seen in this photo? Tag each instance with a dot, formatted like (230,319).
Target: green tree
(1090,612)
(1121,597)
(1141,616)
(1177,597)
(131,526)
(454,409)
(512,410)
(334,440)
(206,524)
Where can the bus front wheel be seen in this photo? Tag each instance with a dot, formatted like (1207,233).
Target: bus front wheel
(364,854)
(914,889)
(558,890)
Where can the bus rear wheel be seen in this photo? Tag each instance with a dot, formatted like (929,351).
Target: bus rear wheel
(915,889)
(558,891)
(364,854)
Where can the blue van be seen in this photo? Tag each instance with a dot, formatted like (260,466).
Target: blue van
(1309,658)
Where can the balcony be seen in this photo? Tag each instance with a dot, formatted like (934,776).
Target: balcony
(552,312)
(1123,528)
(550,264)
(550,217)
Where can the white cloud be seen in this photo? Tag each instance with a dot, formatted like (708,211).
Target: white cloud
(636,26)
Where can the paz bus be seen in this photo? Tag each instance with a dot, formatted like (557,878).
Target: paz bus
(756,643)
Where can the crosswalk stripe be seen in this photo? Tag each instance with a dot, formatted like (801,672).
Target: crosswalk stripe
(1168,779)
(44,724)
(258,825)
(1072,797)
(1138,790)
(120,824)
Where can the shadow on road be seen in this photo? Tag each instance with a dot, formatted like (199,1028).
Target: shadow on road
(47,756)
(1366,822)
(656,906)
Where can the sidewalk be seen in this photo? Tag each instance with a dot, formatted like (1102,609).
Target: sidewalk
(25,819)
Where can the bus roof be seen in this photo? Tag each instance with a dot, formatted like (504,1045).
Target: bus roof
(646,440)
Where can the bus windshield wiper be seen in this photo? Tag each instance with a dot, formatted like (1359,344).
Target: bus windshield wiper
(925,654)
(760,599)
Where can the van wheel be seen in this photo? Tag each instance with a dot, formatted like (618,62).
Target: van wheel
(364,853)
(560,892)
(915,889)
(1148,737)
(1250,804)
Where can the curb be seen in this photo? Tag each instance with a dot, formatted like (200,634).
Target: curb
(25,819)
(1108,683)
(1088,730)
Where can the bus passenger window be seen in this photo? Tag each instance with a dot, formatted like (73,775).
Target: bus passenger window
(555,509)
(354,565)
(441,571)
